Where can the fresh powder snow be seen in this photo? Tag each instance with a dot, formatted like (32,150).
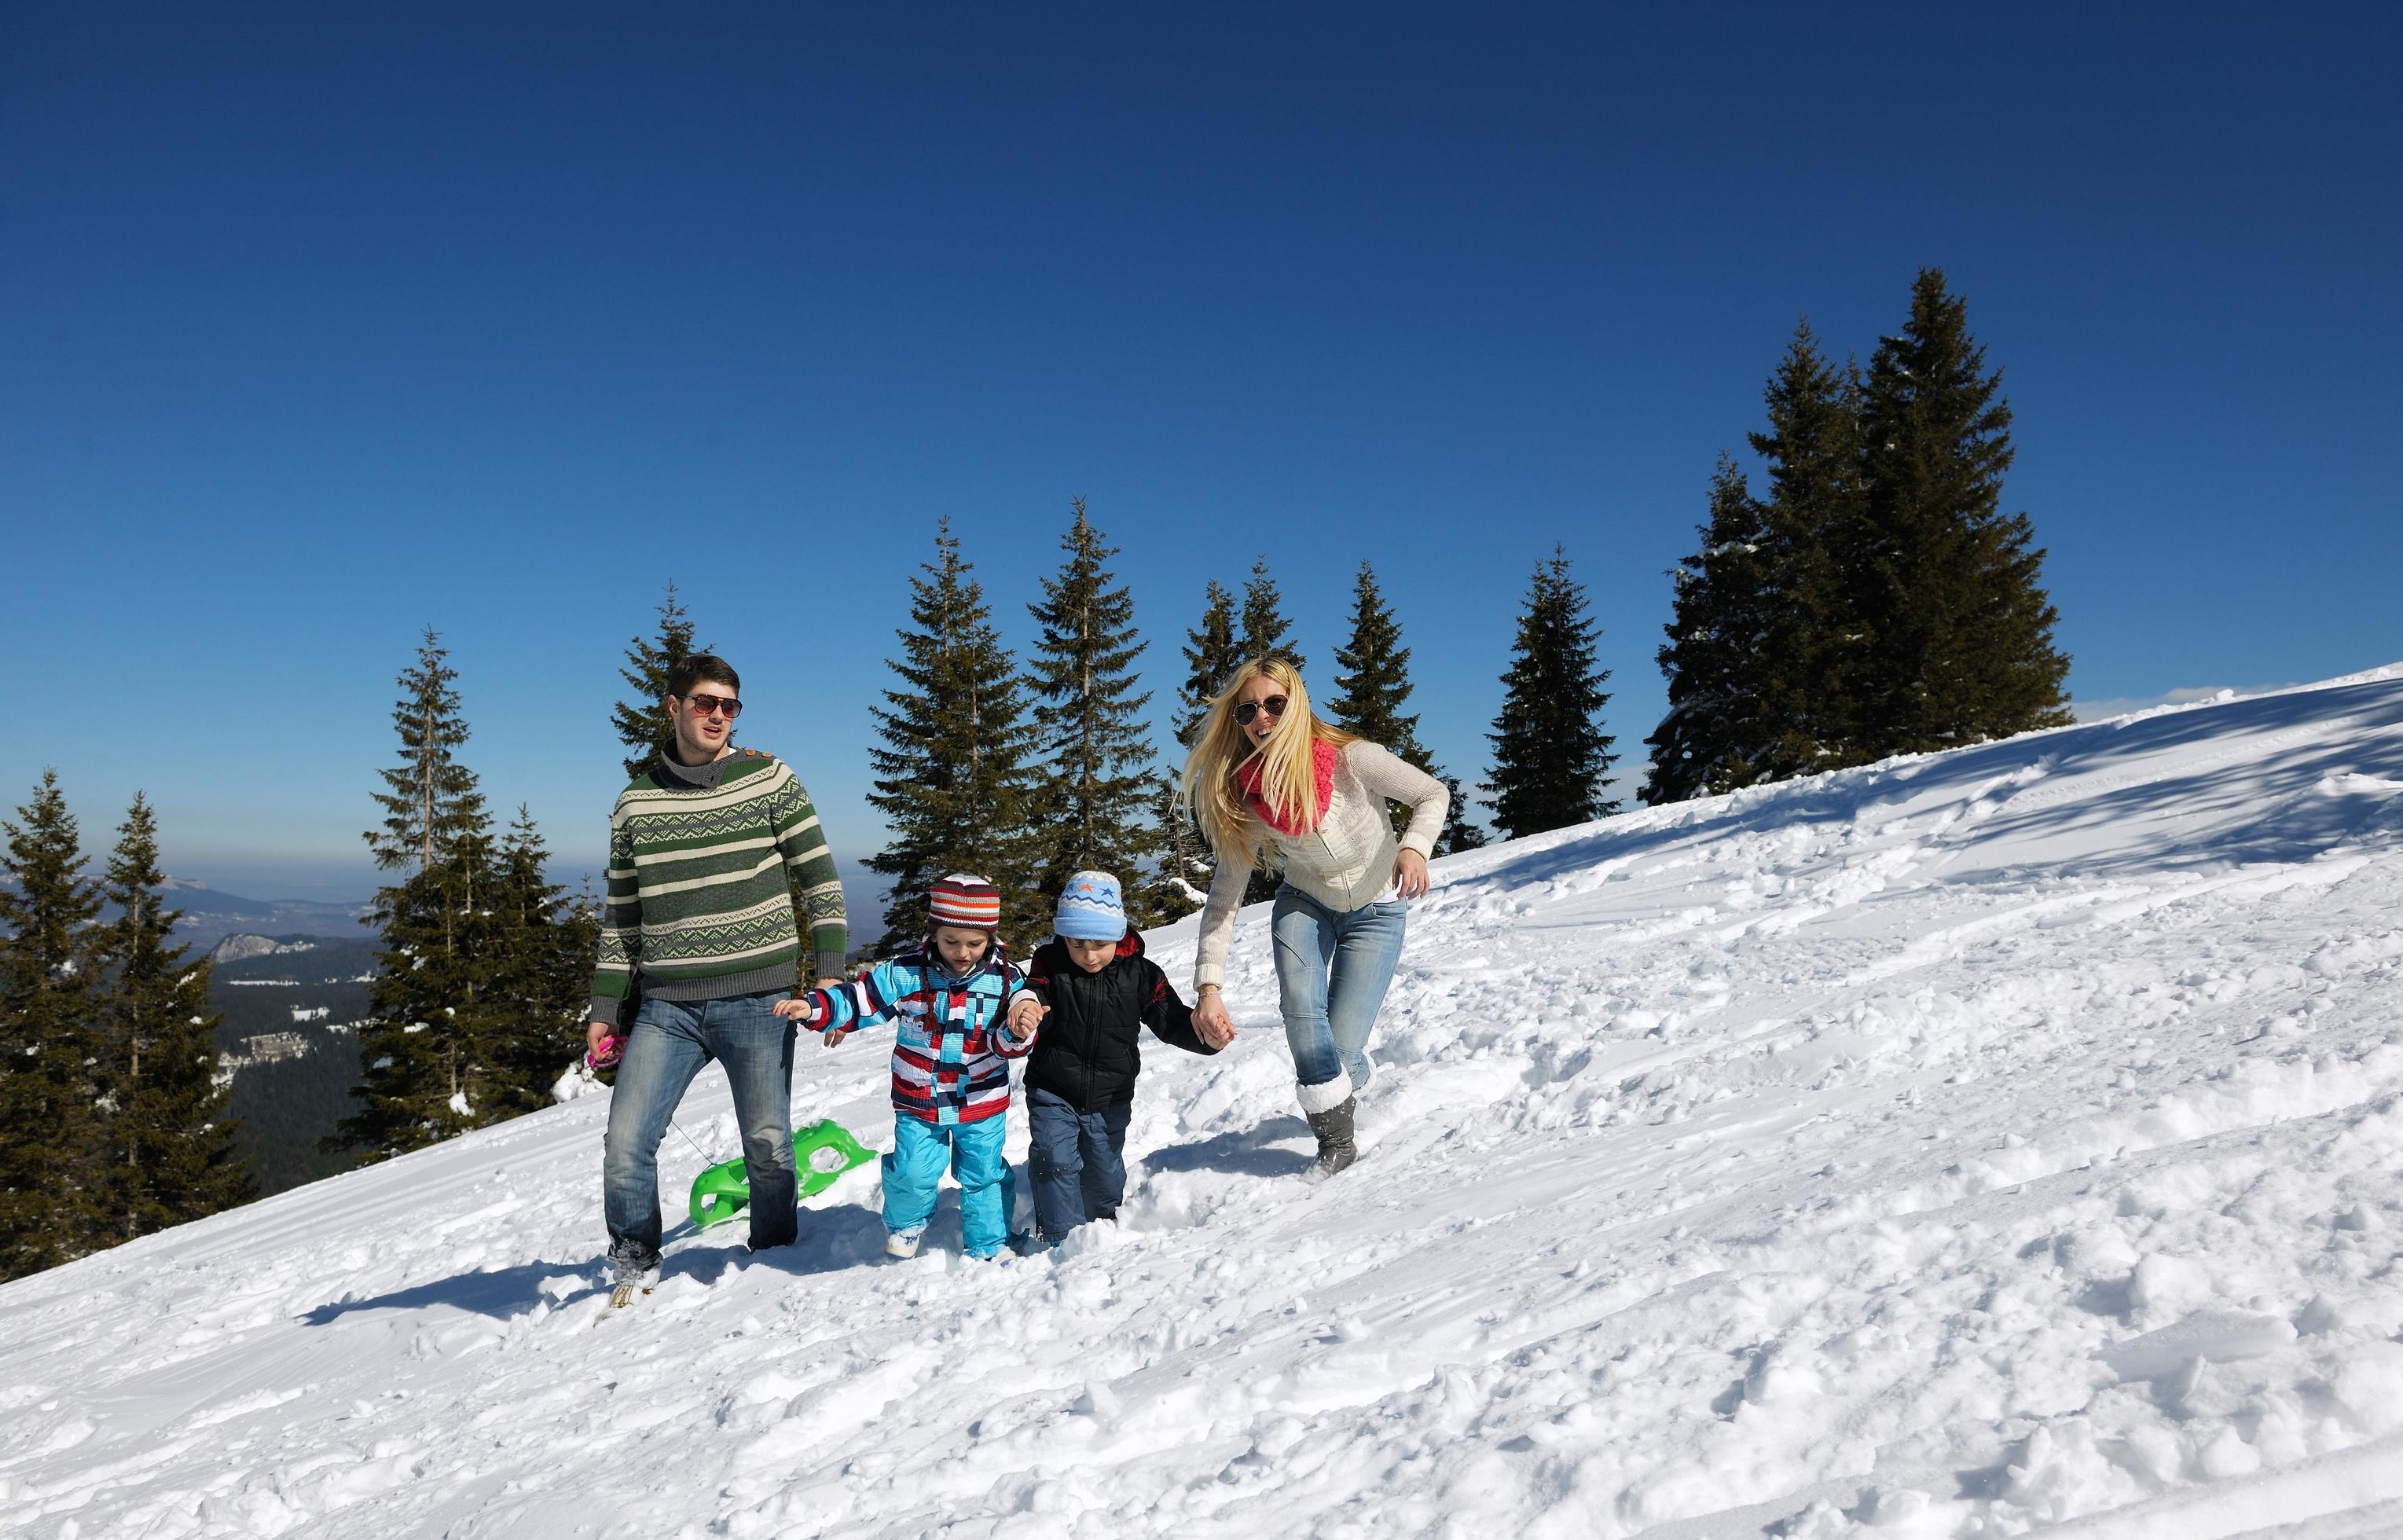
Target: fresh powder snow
(1982,1144)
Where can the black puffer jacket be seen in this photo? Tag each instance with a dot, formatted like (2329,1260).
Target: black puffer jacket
(1086,1051)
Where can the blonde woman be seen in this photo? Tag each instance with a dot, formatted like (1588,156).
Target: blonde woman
(1266,776)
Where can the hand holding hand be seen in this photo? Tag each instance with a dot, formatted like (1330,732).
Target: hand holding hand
(1411,874)
(1025,1013)
(1211,1022)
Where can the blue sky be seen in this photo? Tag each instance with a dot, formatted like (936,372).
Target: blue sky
(330,323)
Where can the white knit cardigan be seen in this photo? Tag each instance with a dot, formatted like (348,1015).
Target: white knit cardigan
(1345,861)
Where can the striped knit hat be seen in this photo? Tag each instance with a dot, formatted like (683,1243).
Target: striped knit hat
(969,902)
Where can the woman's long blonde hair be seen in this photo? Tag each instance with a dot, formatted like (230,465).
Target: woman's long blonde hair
(1288,780)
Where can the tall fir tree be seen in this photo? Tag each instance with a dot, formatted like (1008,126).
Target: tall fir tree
(1095,789)
(952,771)
(1716,653)
(1813,538)
(547,941)
(1371,693)
(1549,753)
(1374,682)
(1211,655)
(1182,880)
(1460,831)
(429,1046)
(641,722)
(1958,626)
(47,1206)
(1264,621)
(168,1145)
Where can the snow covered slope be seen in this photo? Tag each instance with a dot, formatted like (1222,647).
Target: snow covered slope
(1994,1142)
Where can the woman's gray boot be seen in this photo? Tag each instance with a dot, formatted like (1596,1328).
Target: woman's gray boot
(1333,1128)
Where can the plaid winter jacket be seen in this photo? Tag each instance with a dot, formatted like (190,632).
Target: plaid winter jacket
(951,1051)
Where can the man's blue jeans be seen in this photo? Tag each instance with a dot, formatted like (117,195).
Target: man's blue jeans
(973,1151)
(670,1040)
(1076,1161)
(1332,969)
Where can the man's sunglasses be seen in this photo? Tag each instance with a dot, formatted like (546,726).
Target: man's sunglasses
(707,705)
(1273,705)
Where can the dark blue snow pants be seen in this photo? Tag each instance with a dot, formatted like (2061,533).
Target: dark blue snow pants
(1075,1162)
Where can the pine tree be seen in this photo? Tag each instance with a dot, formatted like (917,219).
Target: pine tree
(1460,832)
(641,722)
(1959,628)
(429,1047)
(47,1207)
(1370,696)
(1716,653)
(545,964)
(953,772)
(167,1143)
(1375,682)
(1095,789)
(1550,751)
(1813,538)
(1264,621)
(1209,659)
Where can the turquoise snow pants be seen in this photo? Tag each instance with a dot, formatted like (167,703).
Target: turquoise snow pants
(973,1151)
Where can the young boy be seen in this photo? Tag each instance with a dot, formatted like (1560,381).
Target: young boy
(951,1069)
(1092,990)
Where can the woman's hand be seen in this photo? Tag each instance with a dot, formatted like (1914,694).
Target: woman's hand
(1411,874)
(1211,1022)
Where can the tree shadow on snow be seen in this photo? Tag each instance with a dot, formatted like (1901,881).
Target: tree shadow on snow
(1245,1152)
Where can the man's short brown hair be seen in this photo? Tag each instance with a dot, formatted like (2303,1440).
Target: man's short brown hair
(703,666)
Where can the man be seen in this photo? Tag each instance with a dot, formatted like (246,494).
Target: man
(699,847)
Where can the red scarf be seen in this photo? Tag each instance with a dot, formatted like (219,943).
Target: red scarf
(1322,763)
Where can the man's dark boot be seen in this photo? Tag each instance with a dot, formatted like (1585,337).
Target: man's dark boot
(1333,1128)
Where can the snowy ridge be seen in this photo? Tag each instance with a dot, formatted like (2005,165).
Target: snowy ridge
(1993,1142)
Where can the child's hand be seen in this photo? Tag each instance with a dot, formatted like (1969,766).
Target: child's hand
(834,1036)
(1025,1013)
(797,1006)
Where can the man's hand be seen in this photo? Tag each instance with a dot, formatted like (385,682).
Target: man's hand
(1411,874)
(1025,1013)
(1211,1022)
(596,1033)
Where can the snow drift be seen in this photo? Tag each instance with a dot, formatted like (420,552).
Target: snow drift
(1993,1142)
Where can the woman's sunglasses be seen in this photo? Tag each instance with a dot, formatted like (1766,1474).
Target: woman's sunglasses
(704,705)
(1273,705)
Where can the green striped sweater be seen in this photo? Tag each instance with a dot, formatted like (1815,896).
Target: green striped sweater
(698,903)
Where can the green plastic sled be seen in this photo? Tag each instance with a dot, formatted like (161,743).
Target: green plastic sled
(821,1153)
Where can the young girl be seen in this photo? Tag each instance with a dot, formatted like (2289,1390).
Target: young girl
(951,1069)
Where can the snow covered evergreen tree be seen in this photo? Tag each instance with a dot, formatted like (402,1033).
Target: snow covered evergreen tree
(1958,627)
(47,1204)
(641,722)
(1096,794)
(953,772)
(1550,751)
(167,1143)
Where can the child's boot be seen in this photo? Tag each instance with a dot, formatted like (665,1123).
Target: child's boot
(1333,1128)
(902,1244)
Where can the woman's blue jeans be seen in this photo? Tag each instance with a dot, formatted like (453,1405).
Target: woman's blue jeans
(1332,970)
(670,1040)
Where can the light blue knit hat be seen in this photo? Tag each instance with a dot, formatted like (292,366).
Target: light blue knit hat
(1091,908)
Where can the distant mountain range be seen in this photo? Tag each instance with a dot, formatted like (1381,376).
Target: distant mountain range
(210,916)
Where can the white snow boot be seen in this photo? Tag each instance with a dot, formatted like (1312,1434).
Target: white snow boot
(902,1244)
(630,1286)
